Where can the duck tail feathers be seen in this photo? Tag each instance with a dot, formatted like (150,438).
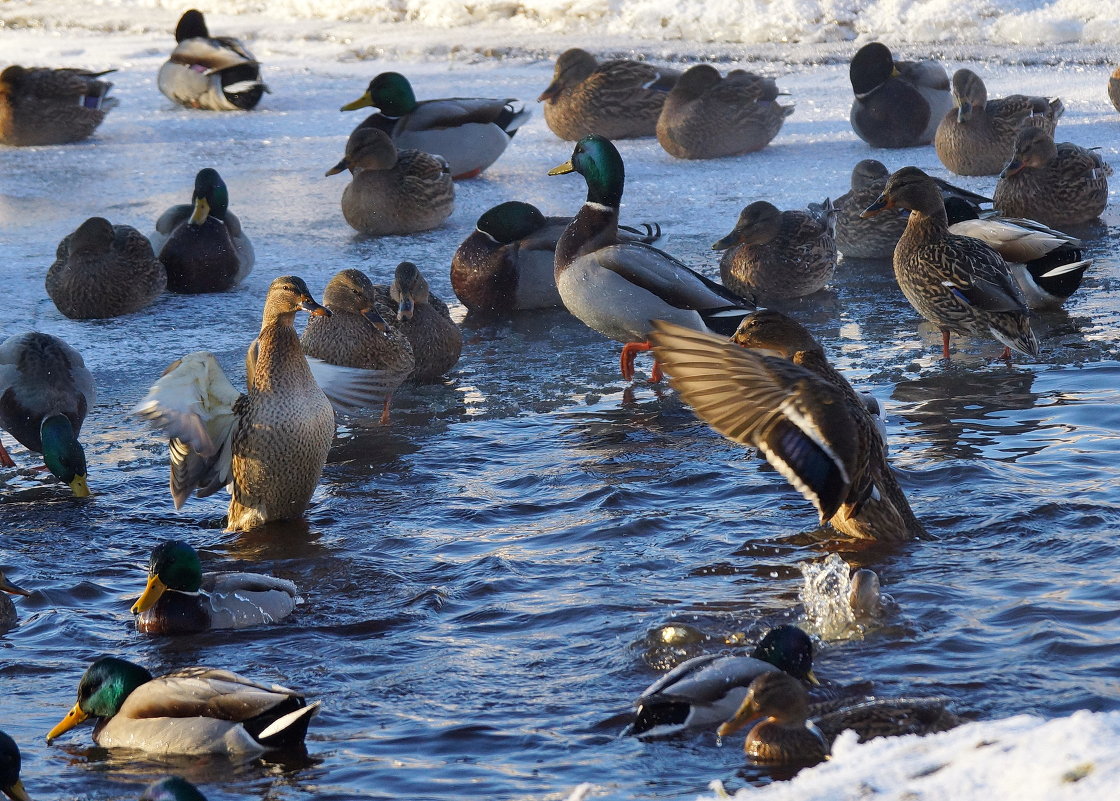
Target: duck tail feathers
(288,730)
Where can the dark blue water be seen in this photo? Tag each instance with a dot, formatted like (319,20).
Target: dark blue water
(486,580)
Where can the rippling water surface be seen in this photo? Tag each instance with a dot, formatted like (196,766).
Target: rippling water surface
(486,580)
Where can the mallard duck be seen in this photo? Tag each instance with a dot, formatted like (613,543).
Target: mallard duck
(618,99)
(201,243)
(1056,184)
(211,72)
(172,789)
(45,392)
(10,784)
(424,319)
(779,255)
(181,599)
(8,614)
(196,710)
(977,137)
(771,387)
(104,270)
(859,237)
(708,689)
(42,106)
(269,445)
(618,288)
(787,736)
(1047,264)
(706,116)
(506,263)
(393,191)
(1114,89)
(897,103)
(355,335)
(956,282)
(864,596)
(469,132)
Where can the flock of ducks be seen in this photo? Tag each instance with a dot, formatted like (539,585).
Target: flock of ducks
(756,376)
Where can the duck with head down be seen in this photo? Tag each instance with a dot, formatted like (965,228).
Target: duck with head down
(45,392)
(43,106)
(409,305)
(956,282)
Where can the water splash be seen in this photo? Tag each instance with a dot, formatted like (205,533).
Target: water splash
(838,604)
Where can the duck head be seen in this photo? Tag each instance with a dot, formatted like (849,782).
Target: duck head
(774,333)
(191,25)
(172,789)
(871,67)
(408,289)
(351,292)
(910,188)
(93,236)
(102,691)
(789,649)
(390,92)
(758,223)
(507,222)
(289,294)
(62,453)
(10,784)
(173,565)
(1033,148)
(868,173)
(210,198)
(9,587)
(572,67)
(367,149)
(969,94)
(775,695)
(599,162)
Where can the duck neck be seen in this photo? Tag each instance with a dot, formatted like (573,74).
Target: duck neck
(594,227)
(279,359)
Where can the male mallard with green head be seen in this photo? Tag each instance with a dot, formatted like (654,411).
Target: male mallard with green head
(45,392)
(956,282)
(180,599)
(469,132)
(10,784)
(42,106)
(202,244)
(897,103)
(194,711)
(619,288)
(172,789)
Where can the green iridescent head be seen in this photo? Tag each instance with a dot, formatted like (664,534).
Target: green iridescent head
(63,455)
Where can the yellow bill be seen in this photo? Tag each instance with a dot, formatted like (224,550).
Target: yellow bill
(72,719)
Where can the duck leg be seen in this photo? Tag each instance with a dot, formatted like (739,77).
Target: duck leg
(630,352)
(385,411)
(5,457)
(945,343)
(1006,355)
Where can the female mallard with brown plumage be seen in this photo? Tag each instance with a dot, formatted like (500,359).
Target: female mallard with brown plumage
(408,304)
(1056,184)
(104,270)
(355,335)
(201,243)
(506,263)
(393,191)
(859,237)
(956,282)
(779,255)
(978,136)
(707,116)
(211,72)
(618,99)
(42,106)
(45,392)
(771,387)
(787,735)
(195,710)
(269,445)
(180,599)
